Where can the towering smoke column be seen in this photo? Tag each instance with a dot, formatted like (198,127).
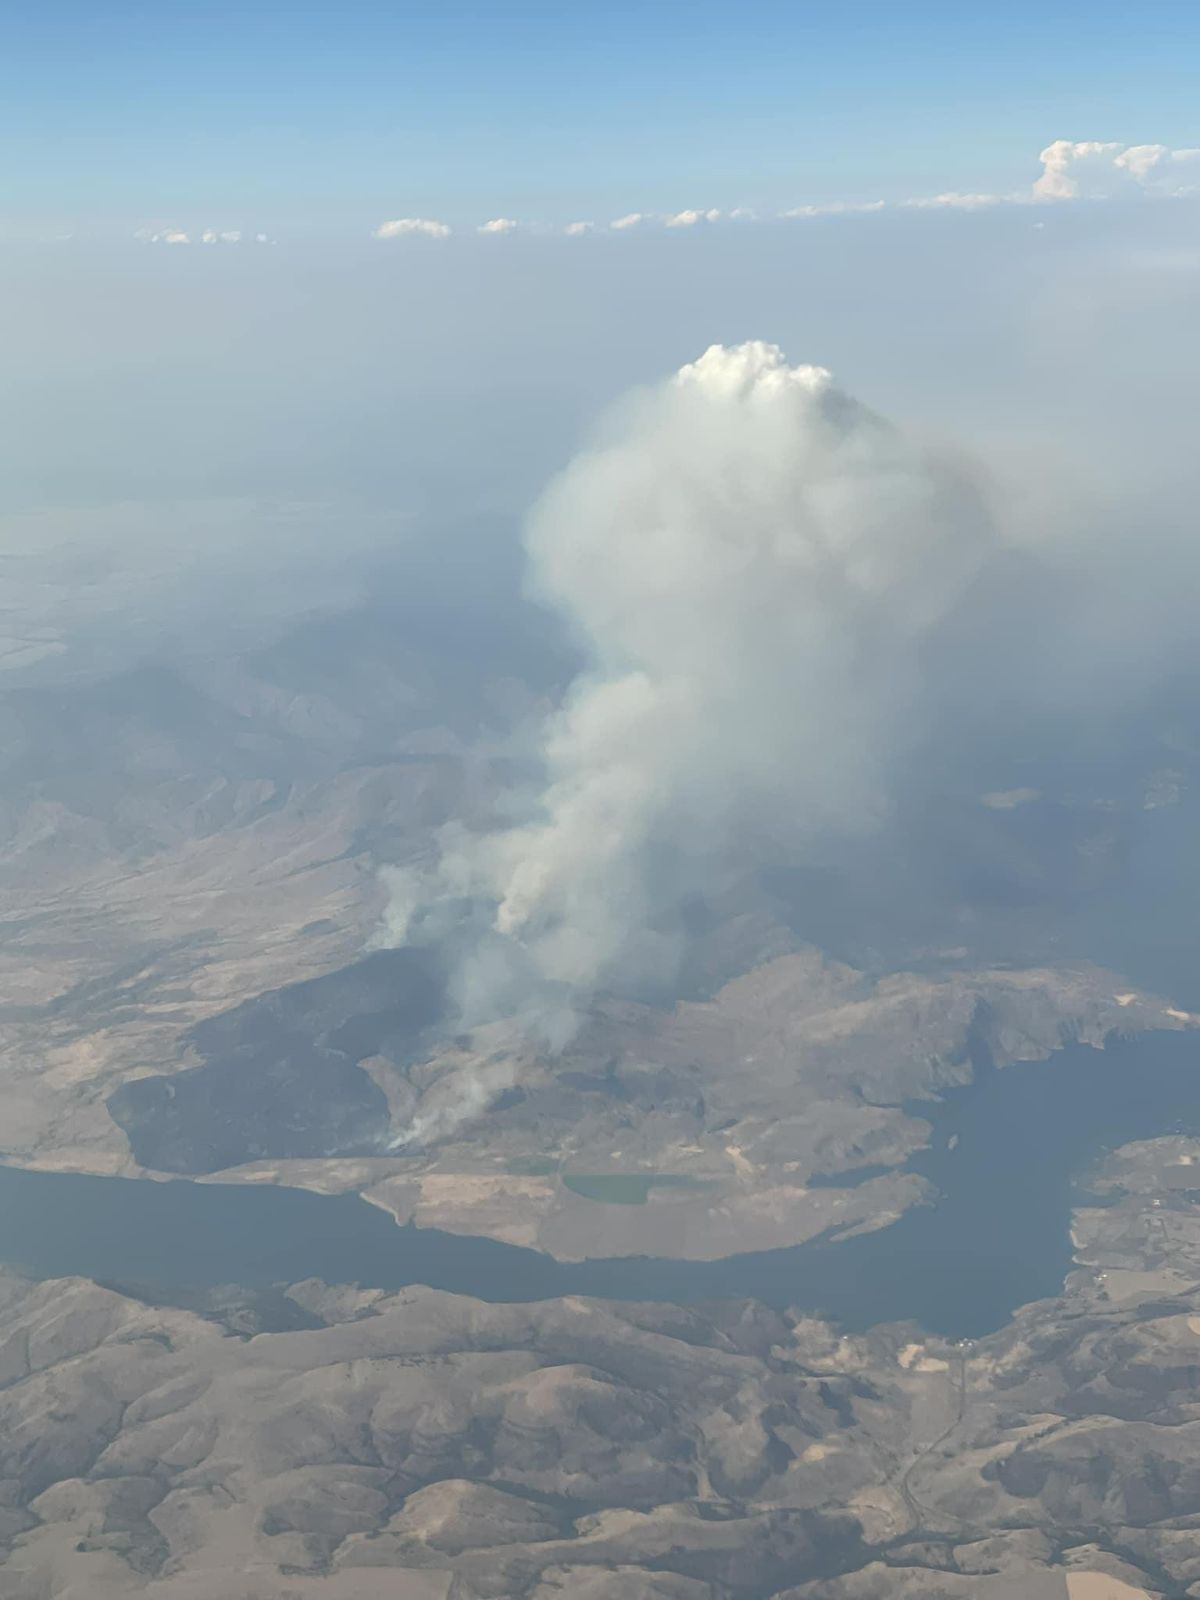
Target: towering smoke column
(752,562)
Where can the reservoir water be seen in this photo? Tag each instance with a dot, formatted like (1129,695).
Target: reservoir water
(1009,1156)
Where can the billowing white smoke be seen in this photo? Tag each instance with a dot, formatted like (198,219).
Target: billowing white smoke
(752,562)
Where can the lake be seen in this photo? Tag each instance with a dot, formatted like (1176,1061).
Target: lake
(1008,1156)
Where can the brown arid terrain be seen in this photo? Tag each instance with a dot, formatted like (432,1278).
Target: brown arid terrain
(796,1071)
(169,850)
(421,1444)
(190,991)
(189,873)
(726,1110)
(185,993)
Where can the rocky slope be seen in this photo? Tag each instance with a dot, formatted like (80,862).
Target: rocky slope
(736,1116)
(188,864)
(427,1445)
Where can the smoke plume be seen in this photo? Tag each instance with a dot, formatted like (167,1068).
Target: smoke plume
(752,562)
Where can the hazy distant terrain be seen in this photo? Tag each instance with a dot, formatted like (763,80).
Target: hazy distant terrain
(621,841)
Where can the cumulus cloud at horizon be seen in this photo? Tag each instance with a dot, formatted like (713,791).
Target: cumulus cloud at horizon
(689,218)
(1071,170)
(1099,169)
(421,227)
(178,236)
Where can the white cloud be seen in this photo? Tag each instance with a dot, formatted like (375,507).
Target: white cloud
(203,236)
(836,208)
(1178,171)
(688,219)
(1071,170)
(1065,160)
(954,201)
(1089,169)
(399,227)
(1095,169)
(1141,161)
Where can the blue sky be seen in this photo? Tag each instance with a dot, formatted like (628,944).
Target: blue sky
(335,115)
